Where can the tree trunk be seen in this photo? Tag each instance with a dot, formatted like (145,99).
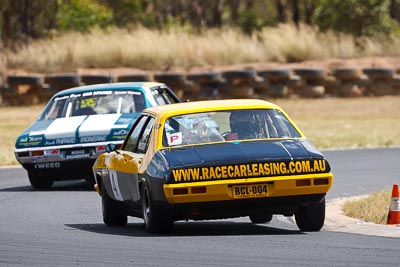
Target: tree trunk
(216,20)
(234,6)
(309,9)
(395,9)
(295,12)
(280,7)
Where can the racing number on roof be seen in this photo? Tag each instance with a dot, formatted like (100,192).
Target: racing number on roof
(114,184)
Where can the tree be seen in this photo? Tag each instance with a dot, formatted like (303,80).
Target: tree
(366,17)
(81,15)
(24,19)
(126,12)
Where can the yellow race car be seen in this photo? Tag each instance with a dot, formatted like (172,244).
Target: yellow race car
(213,160)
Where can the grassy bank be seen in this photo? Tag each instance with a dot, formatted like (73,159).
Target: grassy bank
(13,120)
(347,123)
(329,123)
(373,208)
(153,50)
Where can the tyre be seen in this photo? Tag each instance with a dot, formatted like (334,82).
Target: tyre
(380,88)
(311,218)
(260,86)
(275,75)
(349,89)
(95,79)
(379,73)
(170,77)
(241,92)
(206,77)
(154,220)
(26,80)
(72,79)
(241,74)
(312,91)
(240,78)
(311,74)
(347,74)
(191,88)
(261,218)
(39,182)
(113,214)
(278,90)
(139,77)
(295,81)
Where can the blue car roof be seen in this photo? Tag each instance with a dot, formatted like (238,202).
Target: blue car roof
(110,86)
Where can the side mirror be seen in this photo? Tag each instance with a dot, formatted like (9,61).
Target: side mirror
(110,147)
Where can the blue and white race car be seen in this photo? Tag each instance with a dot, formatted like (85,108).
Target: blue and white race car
(76,124)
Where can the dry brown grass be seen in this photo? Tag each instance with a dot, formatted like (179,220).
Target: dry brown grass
(13,120)
(329,123)
(305,43)
(347,123)
(153,50)
(373,208)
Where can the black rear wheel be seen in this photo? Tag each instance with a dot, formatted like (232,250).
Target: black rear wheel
(311,218)
(154,220)
(39,182)
(113,215)
(260,218)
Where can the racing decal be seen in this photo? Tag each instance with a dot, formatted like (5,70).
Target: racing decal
(88,139)
(114,185)
(78,154)
(119,134)
(249,170)
(63,141)
(174,138)
(30,140)
(47,165)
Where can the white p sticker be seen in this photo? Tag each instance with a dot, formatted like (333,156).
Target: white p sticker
(174,139)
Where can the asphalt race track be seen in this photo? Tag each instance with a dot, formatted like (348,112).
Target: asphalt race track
(63,227)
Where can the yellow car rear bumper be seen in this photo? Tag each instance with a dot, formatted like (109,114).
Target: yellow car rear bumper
(225,190)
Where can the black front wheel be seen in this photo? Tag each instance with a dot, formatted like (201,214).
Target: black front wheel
(39,182)
(311,218)
(154,220)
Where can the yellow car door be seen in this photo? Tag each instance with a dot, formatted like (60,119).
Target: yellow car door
(125,179)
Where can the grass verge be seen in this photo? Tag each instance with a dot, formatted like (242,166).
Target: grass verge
(347,123)
(13,120)
(373,208)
